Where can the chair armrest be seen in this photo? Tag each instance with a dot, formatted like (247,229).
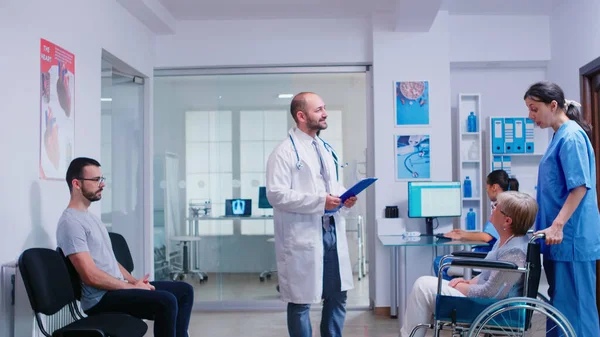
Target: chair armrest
(484,264)
(474,255)
(80,332)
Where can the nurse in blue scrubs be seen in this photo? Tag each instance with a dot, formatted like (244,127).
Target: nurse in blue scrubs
(568,207)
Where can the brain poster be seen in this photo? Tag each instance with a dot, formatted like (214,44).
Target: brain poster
(57,110)
(411,101)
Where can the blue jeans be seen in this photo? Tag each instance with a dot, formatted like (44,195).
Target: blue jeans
(334,300)
(436,267)
(169,305)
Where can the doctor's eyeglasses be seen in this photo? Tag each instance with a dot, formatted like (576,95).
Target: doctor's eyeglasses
(99,180)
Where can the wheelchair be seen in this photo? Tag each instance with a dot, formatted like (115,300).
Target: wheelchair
(523,316)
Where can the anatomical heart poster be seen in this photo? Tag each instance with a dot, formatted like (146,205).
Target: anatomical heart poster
(57,110)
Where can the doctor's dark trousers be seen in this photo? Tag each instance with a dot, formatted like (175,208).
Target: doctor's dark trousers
(334,300)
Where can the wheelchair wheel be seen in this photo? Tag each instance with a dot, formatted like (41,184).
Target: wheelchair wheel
(523,317)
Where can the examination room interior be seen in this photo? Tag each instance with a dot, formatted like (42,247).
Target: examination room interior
(182,102)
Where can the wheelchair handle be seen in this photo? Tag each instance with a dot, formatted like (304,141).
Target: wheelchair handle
(537,236)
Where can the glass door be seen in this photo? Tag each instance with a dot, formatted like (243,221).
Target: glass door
(122,159)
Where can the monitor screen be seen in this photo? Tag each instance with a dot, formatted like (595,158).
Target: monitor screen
(238,207)
(434,199)
(263,202)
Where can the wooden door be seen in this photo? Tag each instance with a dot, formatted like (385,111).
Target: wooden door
(590,100)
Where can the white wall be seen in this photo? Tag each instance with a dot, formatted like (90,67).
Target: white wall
(574,26)
(30,207)
(397,57)
(265,42)
(276,42)
(490,38)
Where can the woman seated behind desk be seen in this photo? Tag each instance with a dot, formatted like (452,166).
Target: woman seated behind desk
(512,216)
(497,182)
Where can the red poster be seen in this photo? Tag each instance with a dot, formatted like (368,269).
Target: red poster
(57,110)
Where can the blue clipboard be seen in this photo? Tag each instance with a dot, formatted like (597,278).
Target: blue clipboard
(354,191)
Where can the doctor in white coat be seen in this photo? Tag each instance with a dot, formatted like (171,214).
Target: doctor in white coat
(313,262)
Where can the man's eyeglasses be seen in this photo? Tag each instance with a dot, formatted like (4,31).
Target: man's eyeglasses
(99,180)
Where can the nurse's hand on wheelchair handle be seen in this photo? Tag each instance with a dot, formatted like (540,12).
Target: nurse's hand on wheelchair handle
(554,233)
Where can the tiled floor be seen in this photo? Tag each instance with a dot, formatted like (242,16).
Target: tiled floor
(273,324)
(241,287)
(359,323)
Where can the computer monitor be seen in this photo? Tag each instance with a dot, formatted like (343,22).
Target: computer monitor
(433,199)
(263,202)
(238,207)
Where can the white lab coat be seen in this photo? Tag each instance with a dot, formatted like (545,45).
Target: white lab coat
(297,213)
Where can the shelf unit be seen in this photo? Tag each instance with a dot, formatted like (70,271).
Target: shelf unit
(470,161)
(522,166)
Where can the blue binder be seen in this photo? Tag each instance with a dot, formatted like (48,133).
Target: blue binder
(519,136)
(354,191)
(529,136)
(506,164)
(497,135)
(497,163)
(509,135)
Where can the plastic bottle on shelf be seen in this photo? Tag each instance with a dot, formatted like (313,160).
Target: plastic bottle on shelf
(467,192)
(474,151)
(471,220)
(472,122)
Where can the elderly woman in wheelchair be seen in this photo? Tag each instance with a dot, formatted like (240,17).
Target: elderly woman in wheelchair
(499,301)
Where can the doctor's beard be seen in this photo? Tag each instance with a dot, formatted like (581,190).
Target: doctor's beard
(317,125)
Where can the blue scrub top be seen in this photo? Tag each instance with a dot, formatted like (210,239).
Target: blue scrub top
(491,230)
(569,163)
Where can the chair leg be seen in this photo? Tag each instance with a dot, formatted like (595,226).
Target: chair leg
(266,275)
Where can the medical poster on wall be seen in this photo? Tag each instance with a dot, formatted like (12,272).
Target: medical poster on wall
(412,157)
(411,103)
(57,110)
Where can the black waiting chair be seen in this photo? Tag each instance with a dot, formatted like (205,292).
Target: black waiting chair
(49,288)
(121,250)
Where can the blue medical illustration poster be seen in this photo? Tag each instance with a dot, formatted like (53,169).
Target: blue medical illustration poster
(411,103)
(412,157)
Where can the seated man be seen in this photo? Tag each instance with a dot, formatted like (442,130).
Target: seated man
(512,216)
(106,285)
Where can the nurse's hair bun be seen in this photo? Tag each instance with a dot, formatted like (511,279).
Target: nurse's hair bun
(569,103)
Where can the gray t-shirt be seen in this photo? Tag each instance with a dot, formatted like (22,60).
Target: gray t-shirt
(82,231)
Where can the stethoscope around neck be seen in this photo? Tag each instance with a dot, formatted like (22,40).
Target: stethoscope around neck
(327,147)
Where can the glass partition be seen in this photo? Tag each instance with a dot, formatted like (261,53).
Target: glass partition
(213,135)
